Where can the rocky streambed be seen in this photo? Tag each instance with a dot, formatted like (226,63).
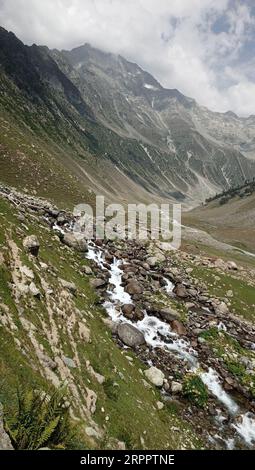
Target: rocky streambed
(129,287)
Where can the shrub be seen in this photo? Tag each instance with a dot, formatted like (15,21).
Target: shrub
(212,333)
(40,420)
(195,390)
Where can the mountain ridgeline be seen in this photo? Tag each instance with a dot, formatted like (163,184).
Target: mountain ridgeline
(88,122)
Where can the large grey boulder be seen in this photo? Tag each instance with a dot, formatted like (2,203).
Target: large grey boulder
(130,335)
(5,442)
(31,245)
(76,242)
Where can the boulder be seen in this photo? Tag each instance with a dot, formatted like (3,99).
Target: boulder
(155,376)
(133,288)
(113,326)
(69,362)
(68,286)
(232,265)
(168,314)
(87,270)
(221,309)
(178,328)
(181,291)
(97,283)
(130,335)
(138,314)
(76,242)
(128,309)
(155,260)
(176,387)
(31,245)
(34,291)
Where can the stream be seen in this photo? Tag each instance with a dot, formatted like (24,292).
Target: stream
(158,334)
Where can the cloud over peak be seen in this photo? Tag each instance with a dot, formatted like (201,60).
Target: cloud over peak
(204,48)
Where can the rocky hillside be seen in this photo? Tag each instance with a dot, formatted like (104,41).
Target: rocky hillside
(154,347)
(86,122)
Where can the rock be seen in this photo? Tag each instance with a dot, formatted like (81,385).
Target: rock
(84,332)
(91,432)
(155,260)
(91,400)
(76,242)
(31,245)
(109,258)
(189,305)
(113,326)
(87,270)
(133,288)
(160,405)
(178,328)
(5,442)
(232,265)
(128,309)
(34,291)
(176,387)
(130,335)
(97,283)
(221,309)
(189,270)
(168,314)
(155,376)
(62,219)
(138,314)
(69,362)
(68,286)
(114,444)
(230,381)
(181,291)
(219,263)
(27,272)
(49,362)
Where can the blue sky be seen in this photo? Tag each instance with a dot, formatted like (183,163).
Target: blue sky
(204,48)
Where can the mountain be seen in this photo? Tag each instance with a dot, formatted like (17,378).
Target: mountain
(184,141)
(89,122)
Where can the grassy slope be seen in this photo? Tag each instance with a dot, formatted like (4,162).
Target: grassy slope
(130,406)
(232,222)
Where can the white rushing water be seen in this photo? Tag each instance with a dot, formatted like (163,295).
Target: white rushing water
(158,334)
(212,381)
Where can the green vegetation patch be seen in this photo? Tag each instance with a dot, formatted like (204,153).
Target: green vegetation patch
(195,390)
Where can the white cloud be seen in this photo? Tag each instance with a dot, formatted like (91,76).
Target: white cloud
(174,40)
